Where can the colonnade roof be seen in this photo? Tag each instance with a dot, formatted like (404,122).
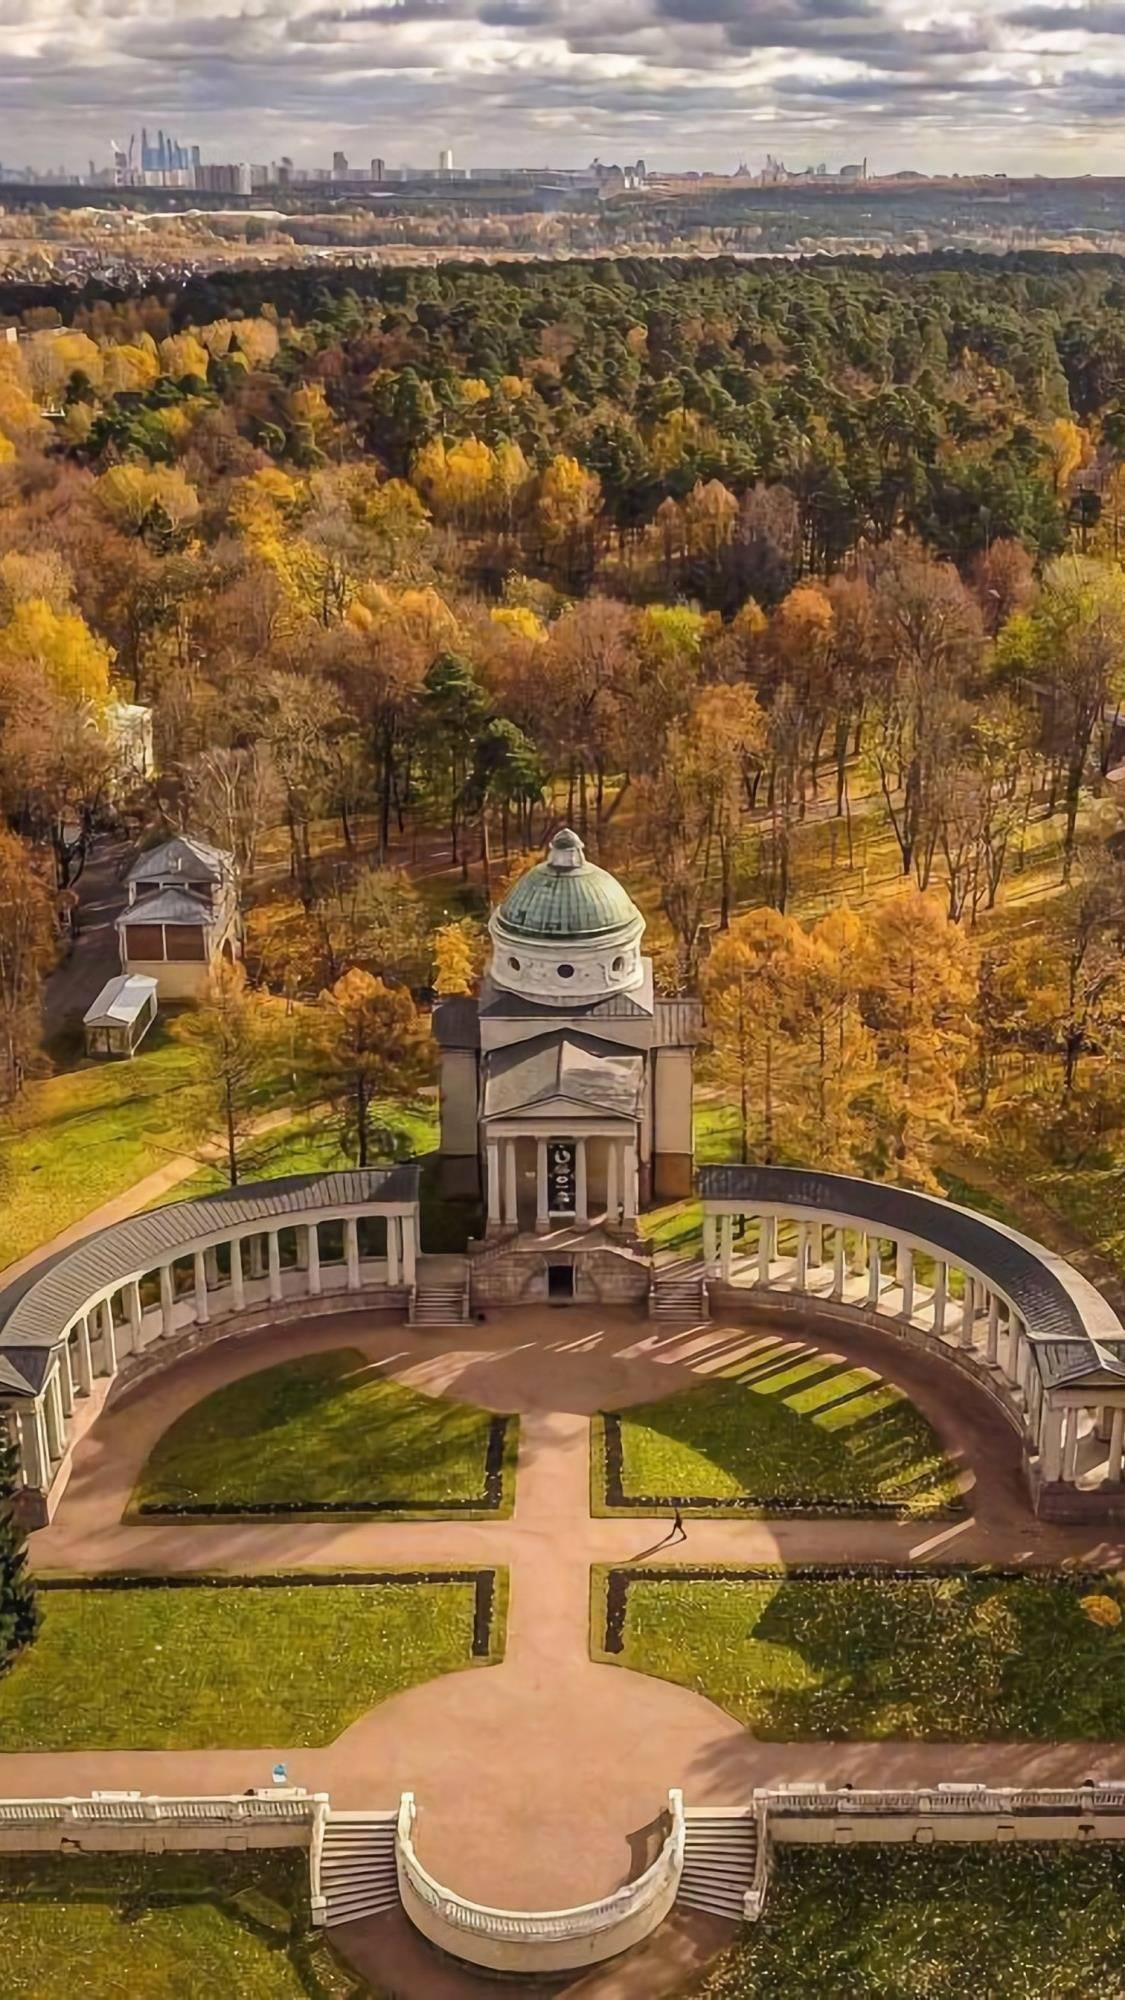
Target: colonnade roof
(1054,1300)
(37,1307)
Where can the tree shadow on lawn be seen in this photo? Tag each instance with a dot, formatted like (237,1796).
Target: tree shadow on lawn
(948,1657)
(788,1427)
(321,1429)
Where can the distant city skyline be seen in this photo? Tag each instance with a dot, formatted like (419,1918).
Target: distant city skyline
(1023,86)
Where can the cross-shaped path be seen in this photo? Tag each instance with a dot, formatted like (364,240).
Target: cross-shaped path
(539,1780)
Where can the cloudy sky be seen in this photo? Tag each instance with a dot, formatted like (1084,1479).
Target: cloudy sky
(1026,85)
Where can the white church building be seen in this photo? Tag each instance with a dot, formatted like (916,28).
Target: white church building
(566,1088)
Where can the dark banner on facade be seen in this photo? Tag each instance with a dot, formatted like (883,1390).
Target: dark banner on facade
(560,1177)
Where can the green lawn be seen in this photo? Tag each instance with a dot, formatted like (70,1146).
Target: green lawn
(311,1145)
(802,1434)
(932,1923)
(204,1667)
(163,1927)
(949,1656)
(78,1139)
(324,1431)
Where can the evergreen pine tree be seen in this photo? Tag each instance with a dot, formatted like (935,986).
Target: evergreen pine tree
(19,1615)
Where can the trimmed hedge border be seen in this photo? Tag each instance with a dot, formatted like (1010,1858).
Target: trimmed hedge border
(483,1581)
(643,1504)
(618,1582)
(490,1502)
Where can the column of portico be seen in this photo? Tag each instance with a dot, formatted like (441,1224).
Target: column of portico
(612,1176)
(34,1455)
(409,1227)
(167,1300)
(351,1252)
(710,1244)
(511,1207)
(84,1356)
(66,1379)
(312,1259)
(906,1278)
(273,1264)
(394,1250)
(767,1236)
(542,1213)
(109,1339)
(726,1248)
(1116,1445)
(993,1347)
(839,1262)
(968,1311)
(492,1178)
(202,1310)
(801,1259)
(1050,1441)
(630,1201)
(134,1312)
(874,1269)
(53,1414)
(940,1298)
(581,1189)
(816,1244)
(1070,1445)
(237,1277)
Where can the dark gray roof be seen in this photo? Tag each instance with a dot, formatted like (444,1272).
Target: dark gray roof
(36,1307)
(501,1006)
(1054,1299)
(167,906)
(578,1067)
(194,860)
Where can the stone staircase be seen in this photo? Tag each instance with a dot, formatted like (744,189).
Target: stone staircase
(441,1292)
(358,1876)
(678,1291)
(721,1863)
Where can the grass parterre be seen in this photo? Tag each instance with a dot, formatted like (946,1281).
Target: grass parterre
(329,1432)
(957,1656)
(796,1431)
(932,1923)
(210,1663)
(163,1927)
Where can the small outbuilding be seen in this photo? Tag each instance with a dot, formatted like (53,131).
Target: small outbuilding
(182,916)
(117,1022)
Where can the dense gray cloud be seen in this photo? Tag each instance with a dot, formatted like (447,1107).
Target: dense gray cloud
(1039,84)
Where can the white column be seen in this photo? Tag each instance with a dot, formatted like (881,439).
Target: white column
(135,1311)
(968,1311)
(993,1327)
(351,1252)
(581,1195)
(816,1244)
(394,1255)
(43,1442)
(167,1300)
(273,1264)
(312,1258)
(612,1199)
(726,1248)
(34,1461)
(409,1248)
(801,1261)
(767,1233)
(66,1379)
(906,1277)
(511,1206)
(941,1294)
(1070,1445)
(202,1311)
(85,1358)
(211,1264)
(52,1404)
(237,1279)
(630,1180)
(710,1234)
(109,1338)
(874,1270)
(1050,1441)
(1116,1444)
(839,1252)
(542,1215)
(492,1177)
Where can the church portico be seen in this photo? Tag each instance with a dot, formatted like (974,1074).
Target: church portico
(538,1177)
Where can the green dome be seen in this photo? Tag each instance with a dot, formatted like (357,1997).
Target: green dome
(566,896)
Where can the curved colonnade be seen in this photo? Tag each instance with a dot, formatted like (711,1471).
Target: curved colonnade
(1004,1309)
(152,1286)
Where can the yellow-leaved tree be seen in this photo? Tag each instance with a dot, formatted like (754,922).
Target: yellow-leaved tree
(460,951)
(756,993)
(918,994)
(59,646)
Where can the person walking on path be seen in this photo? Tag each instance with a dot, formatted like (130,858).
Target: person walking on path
(679,1532)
